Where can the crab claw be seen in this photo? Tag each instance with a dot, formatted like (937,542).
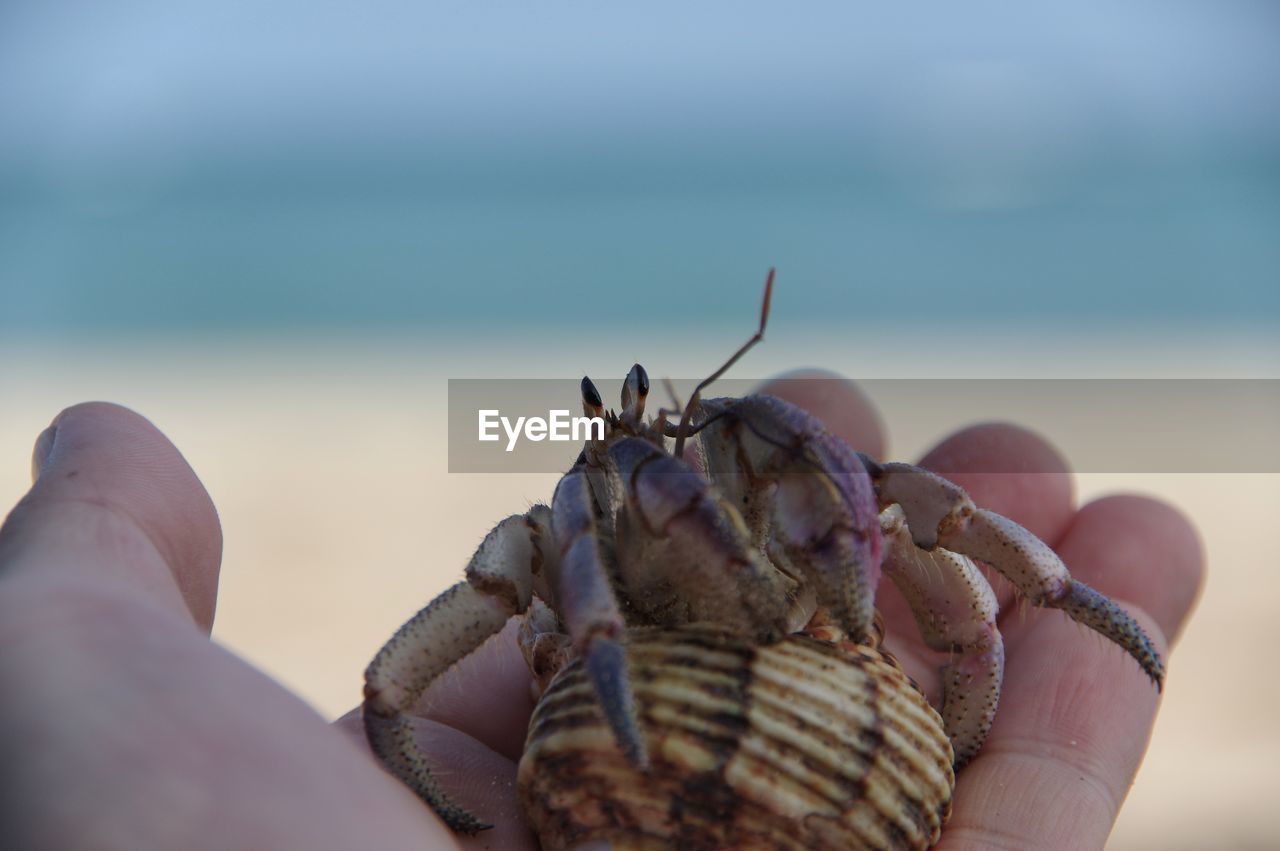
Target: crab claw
(606,664)
(590,610)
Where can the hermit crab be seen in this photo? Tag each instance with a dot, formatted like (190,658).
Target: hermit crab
(698,611)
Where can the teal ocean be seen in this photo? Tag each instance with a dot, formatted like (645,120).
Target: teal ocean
(367,166)
(268,245)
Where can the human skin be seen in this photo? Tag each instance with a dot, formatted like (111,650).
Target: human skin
(123,726)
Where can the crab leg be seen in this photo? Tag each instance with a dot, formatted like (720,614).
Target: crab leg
(805,493)
(590,610)
(955,610)
(685,554)
(545,647)
(941,514)
(499,584)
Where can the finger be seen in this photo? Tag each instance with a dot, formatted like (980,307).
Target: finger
(1011,471)
(1073,724)
(103,567)
(115,502)
(486,696)
(1014,472)
(1140,549)
(1076,712)
(838,402)
(850,415)
(121,721)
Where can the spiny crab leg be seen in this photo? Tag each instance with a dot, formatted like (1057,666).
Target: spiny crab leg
(955,610)
(499,584)
(805,493)
(590,610)
(678,537)
(675,538)
(941,514)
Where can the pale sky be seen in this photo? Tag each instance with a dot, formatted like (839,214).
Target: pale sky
(232,74)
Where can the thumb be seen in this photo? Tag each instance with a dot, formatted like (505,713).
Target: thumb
(114,501)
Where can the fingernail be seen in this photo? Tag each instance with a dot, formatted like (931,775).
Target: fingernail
(44,446)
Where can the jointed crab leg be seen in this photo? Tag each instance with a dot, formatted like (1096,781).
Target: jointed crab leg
(499,584)
(806,493)
(955,610)
(675,538)
(589,609)
(941,514)
(679,537)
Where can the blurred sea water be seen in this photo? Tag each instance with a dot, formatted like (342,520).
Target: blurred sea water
(381,165)
(406,244)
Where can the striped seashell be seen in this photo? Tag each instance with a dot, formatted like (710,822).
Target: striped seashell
(802,744)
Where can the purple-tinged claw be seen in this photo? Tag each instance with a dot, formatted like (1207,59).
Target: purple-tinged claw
(606,664)
(805,493)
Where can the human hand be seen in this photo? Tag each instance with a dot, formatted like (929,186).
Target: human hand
(121,724)
(1075,715)
(126,727)
(1076,712)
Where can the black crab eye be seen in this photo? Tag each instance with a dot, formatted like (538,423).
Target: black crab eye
(643,377)
(590,394)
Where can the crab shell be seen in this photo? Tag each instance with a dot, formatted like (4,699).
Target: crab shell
(802,744)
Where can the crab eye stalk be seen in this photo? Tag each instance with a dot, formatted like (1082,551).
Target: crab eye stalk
(634,389)
(592,404)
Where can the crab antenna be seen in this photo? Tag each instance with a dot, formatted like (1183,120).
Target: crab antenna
(662,426)
(683,431)
(670,387)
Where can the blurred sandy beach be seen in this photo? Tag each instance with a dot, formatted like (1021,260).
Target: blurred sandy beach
(327,461)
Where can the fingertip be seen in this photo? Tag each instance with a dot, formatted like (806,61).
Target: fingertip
(995,447)
(1137,548)
(101,469)
(40,453)
(1012,471)
(838,402)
